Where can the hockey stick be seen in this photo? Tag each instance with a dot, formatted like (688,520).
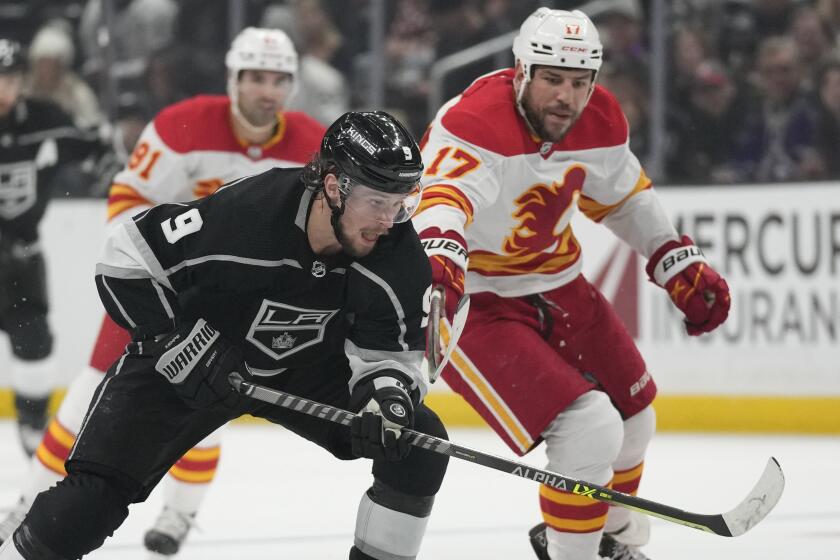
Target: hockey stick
(436,313)
(433,349)
(752,509)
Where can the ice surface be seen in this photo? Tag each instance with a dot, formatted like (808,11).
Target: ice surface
(277,496)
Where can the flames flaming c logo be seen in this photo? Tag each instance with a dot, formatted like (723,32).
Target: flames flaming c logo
(539,211)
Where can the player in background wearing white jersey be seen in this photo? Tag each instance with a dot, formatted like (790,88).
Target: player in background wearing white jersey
(543,356)
(188,151)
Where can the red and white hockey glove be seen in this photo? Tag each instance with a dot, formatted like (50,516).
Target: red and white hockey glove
(447,252)
(694,286)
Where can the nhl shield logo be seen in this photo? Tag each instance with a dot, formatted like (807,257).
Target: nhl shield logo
(280,330)
(319,269)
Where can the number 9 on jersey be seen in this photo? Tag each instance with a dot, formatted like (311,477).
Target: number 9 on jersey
(182,225)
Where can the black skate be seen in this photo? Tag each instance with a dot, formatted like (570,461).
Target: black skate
(31,421)
(168,533)
(611,548)
(538,540)
(14,517)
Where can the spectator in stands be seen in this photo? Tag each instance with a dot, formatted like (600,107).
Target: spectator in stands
(688,50)
(780,140)
(322,90)
(632,96)
(705,133)
(621,25)
(166,80)
(828,123)
(140,27)
(409,52)
(829,11)
(814,40)
(51,76)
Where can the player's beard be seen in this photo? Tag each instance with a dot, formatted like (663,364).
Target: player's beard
(260,118)
(347,245)
(6,108)
(537,121)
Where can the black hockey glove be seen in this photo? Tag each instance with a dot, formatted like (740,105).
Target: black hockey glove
(386,408)
(196,360)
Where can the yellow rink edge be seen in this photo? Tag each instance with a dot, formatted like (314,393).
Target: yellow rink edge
(678,413)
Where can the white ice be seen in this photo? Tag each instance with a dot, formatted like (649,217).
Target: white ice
(277,496)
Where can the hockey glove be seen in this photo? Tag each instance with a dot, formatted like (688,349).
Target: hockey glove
(694,286)
(448,258)
(386,408)
(196,360)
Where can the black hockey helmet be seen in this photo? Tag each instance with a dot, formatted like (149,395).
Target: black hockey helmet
(11,56)
(374,149)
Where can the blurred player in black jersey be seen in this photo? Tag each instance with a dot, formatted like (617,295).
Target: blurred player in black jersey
(36,137)
(311,280)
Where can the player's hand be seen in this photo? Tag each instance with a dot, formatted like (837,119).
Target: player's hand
(694,286)
(448,258)
(386,408)
(196,360)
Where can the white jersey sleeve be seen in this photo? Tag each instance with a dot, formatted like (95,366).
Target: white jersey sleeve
(154,174)
(460,180)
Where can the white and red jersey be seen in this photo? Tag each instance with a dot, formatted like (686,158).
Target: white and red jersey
(190,150)
(512,196)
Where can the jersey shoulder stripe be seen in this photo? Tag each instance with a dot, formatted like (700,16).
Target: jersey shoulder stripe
(203,123)
(601,125)
(300,140)
(197,123)
(486,116)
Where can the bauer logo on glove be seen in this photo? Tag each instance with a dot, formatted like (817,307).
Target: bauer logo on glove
(693,286)
(679,256)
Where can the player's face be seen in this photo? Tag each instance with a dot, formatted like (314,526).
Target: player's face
(10,86)
(554,99)
(262,94)
(368,215)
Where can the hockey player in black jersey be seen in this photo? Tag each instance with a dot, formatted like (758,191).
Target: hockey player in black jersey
(311,280)
(35,137)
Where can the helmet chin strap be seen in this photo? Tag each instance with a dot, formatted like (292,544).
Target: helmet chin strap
(520,107)
(336,213)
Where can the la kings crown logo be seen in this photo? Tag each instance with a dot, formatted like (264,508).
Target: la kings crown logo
(280,330)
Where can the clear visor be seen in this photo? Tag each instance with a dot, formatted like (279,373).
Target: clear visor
(374,204)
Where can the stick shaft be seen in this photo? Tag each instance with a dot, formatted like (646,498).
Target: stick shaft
(709,523)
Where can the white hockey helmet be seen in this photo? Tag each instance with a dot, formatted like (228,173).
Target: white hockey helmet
(262,49)
(259,49)
(557,38)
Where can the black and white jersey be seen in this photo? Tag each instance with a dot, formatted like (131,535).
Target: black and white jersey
(35,137)
(241,260)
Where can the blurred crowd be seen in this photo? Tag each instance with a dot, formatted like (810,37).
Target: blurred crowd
(752,86)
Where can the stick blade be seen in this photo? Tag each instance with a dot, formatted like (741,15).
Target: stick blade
(455,329)
(759,502)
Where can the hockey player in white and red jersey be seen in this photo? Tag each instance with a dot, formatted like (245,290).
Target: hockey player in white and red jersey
(187,152)
(543,356)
